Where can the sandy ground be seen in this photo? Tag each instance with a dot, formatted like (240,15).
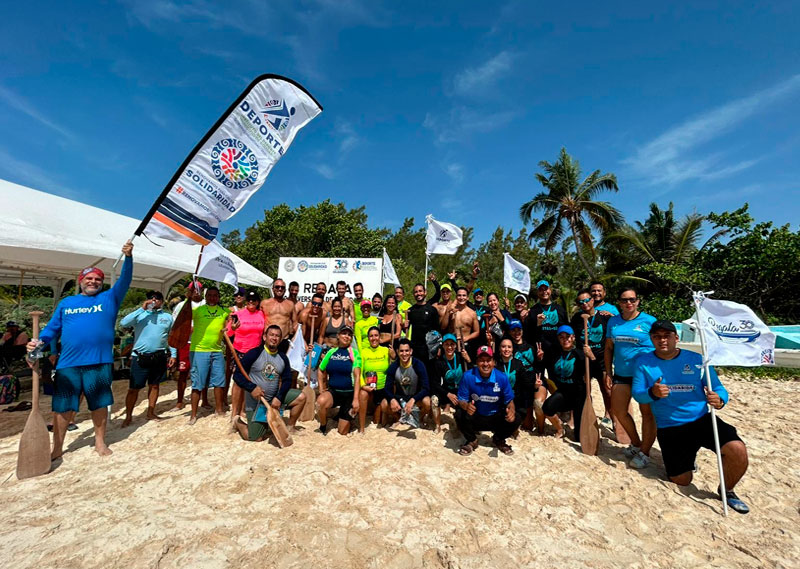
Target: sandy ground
(179,496)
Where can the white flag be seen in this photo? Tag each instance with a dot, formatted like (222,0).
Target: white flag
(217,265)
(442,238)
(389,276)
(231,162)
(516,275)
(734,335)
(297,351)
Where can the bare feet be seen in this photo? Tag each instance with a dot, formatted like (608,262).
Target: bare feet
(192,420)
(126,422)
(179,405)
(560,434)
(55,455)
(103,450)
(220,413)
(154,417)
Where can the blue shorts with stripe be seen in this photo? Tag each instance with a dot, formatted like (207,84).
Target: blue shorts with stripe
(93,381)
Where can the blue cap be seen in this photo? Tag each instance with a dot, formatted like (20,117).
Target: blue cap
(565,329)
(543,283)
(477,290)
(514,323)
(449,337)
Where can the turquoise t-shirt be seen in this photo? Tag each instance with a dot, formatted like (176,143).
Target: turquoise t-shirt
(631,339)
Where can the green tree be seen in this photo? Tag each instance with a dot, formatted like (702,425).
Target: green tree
(321,230)
(758,266)
(569,203)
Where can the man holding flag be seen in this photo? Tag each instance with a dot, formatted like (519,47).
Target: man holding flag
(671,381)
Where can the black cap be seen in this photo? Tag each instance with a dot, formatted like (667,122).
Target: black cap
(663,325)
(252,295)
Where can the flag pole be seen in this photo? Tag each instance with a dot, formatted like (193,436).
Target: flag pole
(425,276)
(706,373)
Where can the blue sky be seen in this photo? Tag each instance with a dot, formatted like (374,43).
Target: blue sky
(430,107)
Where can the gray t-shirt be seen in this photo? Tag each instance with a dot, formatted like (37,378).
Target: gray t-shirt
(407,380)
(265,372)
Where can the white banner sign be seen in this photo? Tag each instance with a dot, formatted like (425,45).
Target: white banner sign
(308,271)
(734,335)
(516,275)
(216,264)
(232,161)
(442,238)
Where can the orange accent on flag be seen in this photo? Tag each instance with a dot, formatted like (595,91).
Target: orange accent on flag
(180,228)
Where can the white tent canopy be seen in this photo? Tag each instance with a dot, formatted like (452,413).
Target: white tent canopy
(46,240)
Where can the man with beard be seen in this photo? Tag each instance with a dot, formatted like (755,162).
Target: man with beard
(294,290)
(598,292)
(358,298)
(279,310)
(422,318)
(462,321)
(85,324)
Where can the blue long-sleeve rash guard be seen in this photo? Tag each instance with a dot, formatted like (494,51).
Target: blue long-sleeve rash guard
(86,324)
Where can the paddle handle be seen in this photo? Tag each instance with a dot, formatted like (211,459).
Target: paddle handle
(586,359)
(35,369)
(311,336)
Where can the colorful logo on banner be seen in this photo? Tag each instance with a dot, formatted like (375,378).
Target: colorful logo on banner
(234,164)
(340,265)
(289,265)
(733,333)
(302,266)
(360,265)
(277,114)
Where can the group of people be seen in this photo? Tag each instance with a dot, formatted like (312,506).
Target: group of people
(496,367)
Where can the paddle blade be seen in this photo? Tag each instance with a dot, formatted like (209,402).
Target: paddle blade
(34,447)
(278,427)
(310,406)
(179,335)
(590,433)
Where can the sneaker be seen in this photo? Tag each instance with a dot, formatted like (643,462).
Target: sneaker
(734,503)
(631,451)
(640,461)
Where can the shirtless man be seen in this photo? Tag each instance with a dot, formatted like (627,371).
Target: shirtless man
(347,304)
(312,314)
(462,321)
(322,288)
(294,290)
(279,310)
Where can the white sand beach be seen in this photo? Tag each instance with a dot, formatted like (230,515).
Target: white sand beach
(173,495)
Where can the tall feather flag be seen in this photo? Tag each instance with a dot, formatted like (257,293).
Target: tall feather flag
(231,162)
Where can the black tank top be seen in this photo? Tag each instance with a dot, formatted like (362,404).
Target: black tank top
(387,328)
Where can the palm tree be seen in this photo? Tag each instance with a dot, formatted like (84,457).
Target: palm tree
(569,202)
(660,239)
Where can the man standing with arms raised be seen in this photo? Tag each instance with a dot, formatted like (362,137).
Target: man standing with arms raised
(85,324)
(279,311)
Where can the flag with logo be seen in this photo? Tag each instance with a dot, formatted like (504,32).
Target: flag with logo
(231,162)
(297,351)
(442,238)
(515,274)
(216,264)
(389,276)
(733,334)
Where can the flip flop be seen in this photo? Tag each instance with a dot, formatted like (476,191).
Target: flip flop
(21,406)
(466,450)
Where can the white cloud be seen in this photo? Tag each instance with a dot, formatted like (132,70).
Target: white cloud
(325,171)
(482,78)
(672,157)
(348,139)
(27,173)
(455,171)
(24,106)
(461,121)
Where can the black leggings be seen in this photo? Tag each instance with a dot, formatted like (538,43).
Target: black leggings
(562,401)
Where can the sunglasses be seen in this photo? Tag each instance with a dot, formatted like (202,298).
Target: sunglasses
(585,301)
(630,300)
(279,287)
(316,304)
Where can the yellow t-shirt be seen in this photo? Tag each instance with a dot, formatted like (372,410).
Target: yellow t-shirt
(207,325)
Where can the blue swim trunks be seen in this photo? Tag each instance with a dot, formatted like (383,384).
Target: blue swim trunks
(207,370)
(94,381)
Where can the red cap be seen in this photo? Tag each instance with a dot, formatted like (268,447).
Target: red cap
(90,270)
(484,351)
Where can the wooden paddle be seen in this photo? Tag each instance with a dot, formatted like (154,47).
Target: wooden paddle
(274,420)
(277,426)
(590,432)
(34,445)
(311,398)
